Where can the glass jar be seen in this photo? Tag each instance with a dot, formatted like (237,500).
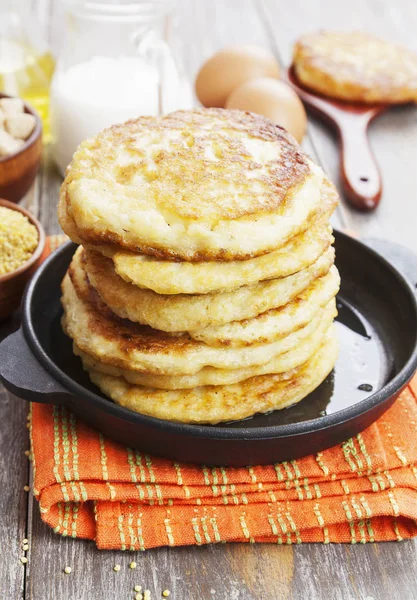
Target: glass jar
(116,64)
(26,64)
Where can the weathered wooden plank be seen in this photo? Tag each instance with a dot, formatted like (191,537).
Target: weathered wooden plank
(50,181)
(41,10)
(220,572)
(383,571)
(31,200)
(14,469)
(393,135)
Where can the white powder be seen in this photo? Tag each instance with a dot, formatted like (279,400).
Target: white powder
(103,91)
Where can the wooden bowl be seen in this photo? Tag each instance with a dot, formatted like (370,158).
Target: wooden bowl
(12,284)
(18,170)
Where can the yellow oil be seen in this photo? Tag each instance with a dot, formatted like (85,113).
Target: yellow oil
(27,73)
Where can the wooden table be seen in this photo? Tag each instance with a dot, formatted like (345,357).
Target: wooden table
(234,571)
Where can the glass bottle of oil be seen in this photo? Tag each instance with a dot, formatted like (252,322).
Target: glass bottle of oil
(26,64)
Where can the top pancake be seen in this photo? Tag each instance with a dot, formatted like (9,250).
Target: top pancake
(193,185)
(355,66)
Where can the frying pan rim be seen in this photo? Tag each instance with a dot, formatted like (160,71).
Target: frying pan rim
(300,428)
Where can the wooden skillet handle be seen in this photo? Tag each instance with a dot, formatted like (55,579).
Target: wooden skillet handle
(358,167)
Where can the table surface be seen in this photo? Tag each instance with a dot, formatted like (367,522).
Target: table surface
(230,571)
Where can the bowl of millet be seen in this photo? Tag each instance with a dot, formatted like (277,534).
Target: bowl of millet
(22,242)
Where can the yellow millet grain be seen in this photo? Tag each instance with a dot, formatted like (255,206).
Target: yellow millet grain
(18,239)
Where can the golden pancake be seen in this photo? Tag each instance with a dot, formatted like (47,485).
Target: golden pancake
(216,404)
(67,224)
(107,338)
(187,312)
(356,66)
(196,185)
(173,277)
(201,276)
(212,376)
(277,322)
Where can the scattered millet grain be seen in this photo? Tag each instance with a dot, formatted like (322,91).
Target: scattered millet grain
(116,568)
(132,565)
(67,570)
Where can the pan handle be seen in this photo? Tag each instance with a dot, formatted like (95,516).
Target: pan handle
(404,259)
(22,374)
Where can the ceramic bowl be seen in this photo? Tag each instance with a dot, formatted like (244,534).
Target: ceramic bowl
(13,284)
(18,170)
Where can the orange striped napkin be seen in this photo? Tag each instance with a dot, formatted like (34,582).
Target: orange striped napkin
(362,491)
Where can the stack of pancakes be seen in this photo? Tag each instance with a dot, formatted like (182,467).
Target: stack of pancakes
(204,287)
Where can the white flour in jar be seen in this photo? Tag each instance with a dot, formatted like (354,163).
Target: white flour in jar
(95,94)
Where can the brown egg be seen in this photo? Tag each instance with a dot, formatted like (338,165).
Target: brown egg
(229,68)
(273,99)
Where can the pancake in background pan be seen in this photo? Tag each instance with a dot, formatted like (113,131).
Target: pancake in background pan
(216,404)
(355,66)
(107,338)
(187,312)
(193,185)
